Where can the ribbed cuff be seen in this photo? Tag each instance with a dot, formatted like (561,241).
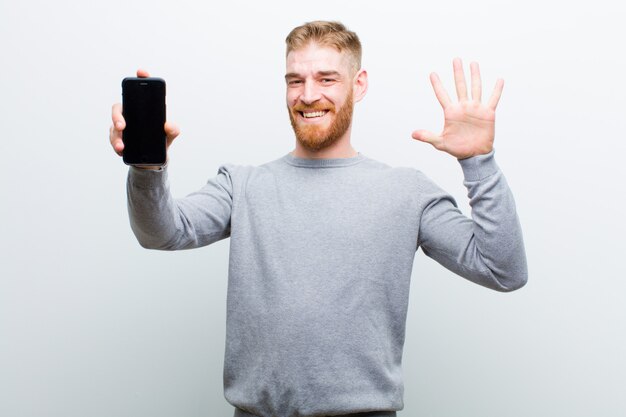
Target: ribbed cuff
(479,167)
(147,178)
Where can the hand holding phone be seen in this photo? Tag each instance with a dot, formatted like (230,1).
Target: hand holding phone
(117,135)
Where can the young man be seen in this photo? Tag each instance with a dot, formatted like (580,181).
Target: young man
(323,239)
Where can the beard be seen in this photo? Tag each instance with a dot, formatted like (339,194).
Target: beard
(315,137)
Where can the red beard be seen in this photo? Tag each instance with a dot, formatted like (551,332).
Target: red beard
(315,137)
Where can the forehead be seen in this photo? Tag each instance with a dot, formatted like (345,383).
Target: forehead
(313,58)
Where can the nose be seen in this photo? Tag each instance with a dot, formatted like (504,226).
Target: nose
(310,92)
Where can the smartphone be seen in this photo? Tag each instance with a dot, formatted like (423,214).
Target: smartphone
(143,108)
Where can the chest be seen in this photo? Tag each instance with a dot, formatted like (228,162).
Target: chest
(324,206)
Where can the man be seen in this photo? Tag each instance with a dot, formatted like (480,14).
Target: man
(323,239)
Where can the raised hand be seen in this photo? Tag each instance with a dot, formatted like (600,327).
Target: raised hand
(469,126)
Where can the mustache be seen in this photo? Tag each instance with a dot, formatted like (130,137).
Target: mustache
(301,107)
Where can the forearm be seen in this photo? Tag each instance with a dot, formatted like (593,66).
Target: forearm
(499,244)
(154,217)
(487,249)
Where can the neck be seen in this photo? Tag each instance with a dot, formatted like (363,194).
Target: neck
(340,149)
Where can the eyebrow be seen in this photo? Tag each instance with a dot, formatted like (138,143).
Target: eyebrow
(318,73)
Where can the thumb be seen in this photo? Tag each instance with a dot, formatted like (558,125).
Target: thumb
(426,136)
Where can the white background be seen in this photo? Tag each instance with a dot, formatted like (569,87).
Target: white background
(91,324)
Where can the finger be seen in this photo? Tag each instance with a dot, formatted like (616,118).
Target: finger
(426,136)
(171,132)
(497,92)
(142,73)
(117,117)
(115,137)
(440,92)
(476,82)
(459,79)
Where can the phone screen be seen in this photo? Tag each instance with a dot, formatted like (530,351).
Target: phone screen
(143,108)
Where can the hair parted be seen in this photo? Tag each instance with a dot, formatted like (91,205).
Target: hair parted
(326,33)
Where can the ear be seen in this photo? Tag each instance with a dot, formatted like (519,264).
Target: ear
(359,86)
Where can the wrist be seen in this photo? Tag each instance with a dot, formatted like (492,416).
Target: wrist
(149,167)
(478,167)
(152,167)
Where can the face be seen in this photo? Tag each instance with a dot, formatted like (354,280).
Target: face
(319,95)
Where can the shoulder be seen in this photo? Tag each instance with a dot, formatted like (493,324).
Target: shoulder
(239,176)
(402,176)
(402,184)
(240,172)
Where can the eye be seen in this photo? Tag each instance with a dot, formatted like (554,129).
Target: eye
(327,80)
(294,82)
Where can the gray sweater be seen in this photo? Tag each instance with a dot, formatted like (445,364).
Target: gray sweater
(321,254)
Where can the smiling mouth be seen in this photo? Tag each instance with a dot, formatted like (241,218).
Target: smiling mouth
(313,114)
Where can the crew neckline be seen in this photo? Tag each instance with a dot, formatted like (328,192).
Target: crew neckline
(323,162)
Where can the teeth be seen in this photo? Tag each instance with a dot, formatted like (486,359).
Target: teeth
(314,114)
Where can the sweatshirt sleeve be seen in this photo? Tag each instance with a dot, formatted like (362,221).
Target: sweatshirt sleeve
(161,222)
(487,249)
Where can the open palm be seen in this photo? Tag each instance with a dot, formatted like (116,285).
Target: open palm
(469,126)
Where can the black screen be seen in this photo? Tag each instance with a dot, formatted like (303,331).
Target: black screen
(144,112)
